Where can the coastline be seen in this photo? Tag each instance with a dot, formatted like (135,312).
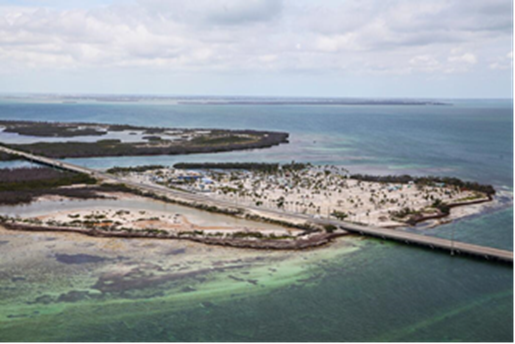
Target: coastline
(432,198)
(470,209)
(302,240)
(61,140)
(311,241)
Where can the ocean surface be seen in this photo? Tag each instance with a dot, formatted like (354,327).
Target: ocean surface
(354,290)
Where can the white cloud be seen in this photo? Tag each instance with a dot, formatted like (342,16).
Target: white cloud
(466,58)
(385,25)
(218,12)
(199,36)
(336,43)
(424,60)
(503,62)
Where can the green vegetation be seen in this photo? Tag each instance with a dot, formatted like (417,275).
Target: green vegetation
(190,233)
(144,168)
(220,140)
(22,179)
(208,142)
(152,138)
(249,166)
(471,198)
(330,228)
(69,129)
(259,235)
(442,206)
(103,148)
(307,227)
(340,215)
(48,129)
(428,181)
(8,157)
(22,185)
(412,217)
(404,212)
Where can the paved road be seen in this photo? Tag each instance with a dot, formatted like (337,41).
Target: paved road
(390,234)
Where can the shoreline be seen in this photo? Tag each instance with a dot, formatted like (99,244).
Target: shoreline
(472,209)
(390,203)
(311,241)
(450,216)
(302,190)
(302,241)
(154,140)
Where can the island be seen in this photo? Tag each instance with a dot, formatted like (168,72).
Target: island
(81,140)
(277,206)
(319,191)
(68,99)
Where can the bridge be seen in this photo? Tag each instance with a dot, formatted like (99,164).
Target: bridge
(431,242)
(445,245)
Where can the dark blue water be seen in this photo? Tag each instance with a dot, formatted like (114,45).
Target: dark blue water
(382,292)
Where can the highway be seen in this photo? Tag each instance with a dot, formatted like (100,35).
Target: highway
(443,245)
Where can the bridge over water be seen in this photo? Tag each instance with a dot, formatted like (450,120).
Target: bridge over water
(443,245)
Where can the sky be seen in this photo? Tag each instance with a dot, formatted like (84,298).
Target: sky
(328,48)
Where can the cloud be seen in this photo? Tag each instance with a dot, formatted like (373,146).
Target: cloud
(426,62)
(503,62)
(466,58)
(217,12)
(395,24)
(251,36)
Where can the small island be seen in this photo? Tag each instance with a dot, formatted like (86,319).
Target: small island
(288,206)
(320,191)
(262,205)
(82,140)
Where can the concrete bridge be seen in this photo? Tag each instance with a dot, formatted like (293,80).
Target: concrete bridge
(444,245)
(431,242)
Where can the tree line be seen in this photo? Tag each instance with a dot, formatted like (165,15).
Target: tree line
(22,185)
(249,166)
(427,181)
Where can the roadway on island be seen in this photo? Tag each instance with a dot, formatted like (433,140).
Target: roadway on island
(401,236)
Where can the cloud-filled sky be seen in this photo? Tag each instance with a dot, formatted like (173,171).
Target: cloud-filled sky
(334,48)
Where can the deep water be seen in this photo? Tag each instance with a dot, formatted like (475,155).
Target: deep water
(378,291)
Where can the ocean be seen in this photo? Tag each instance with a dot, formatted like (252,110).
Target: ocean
(354,290)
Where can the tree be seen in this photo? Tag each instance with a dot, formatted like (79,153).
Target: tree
(340,215)
(280,202)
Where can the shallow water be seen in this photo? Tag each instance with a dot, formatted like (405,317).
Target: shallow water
(353,290)
(198,217)
(123,136)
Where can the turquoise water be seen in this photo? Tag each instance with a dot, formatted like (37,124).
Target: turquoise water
(375,292)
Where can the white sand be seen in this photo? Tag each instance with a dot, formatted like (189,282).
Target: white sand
(150,219)
(315,193)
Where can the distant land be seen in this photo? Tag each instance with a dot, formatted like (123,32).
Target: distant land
(223,100)
(137,140)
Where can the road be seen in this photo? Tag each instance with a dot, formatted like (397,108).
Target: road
(451,246)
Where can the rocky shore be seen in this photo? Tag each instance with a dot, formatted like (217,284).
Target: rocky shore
(310,240)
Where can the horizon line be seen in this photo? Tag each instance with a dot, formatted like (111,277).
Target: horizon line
(163,95)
